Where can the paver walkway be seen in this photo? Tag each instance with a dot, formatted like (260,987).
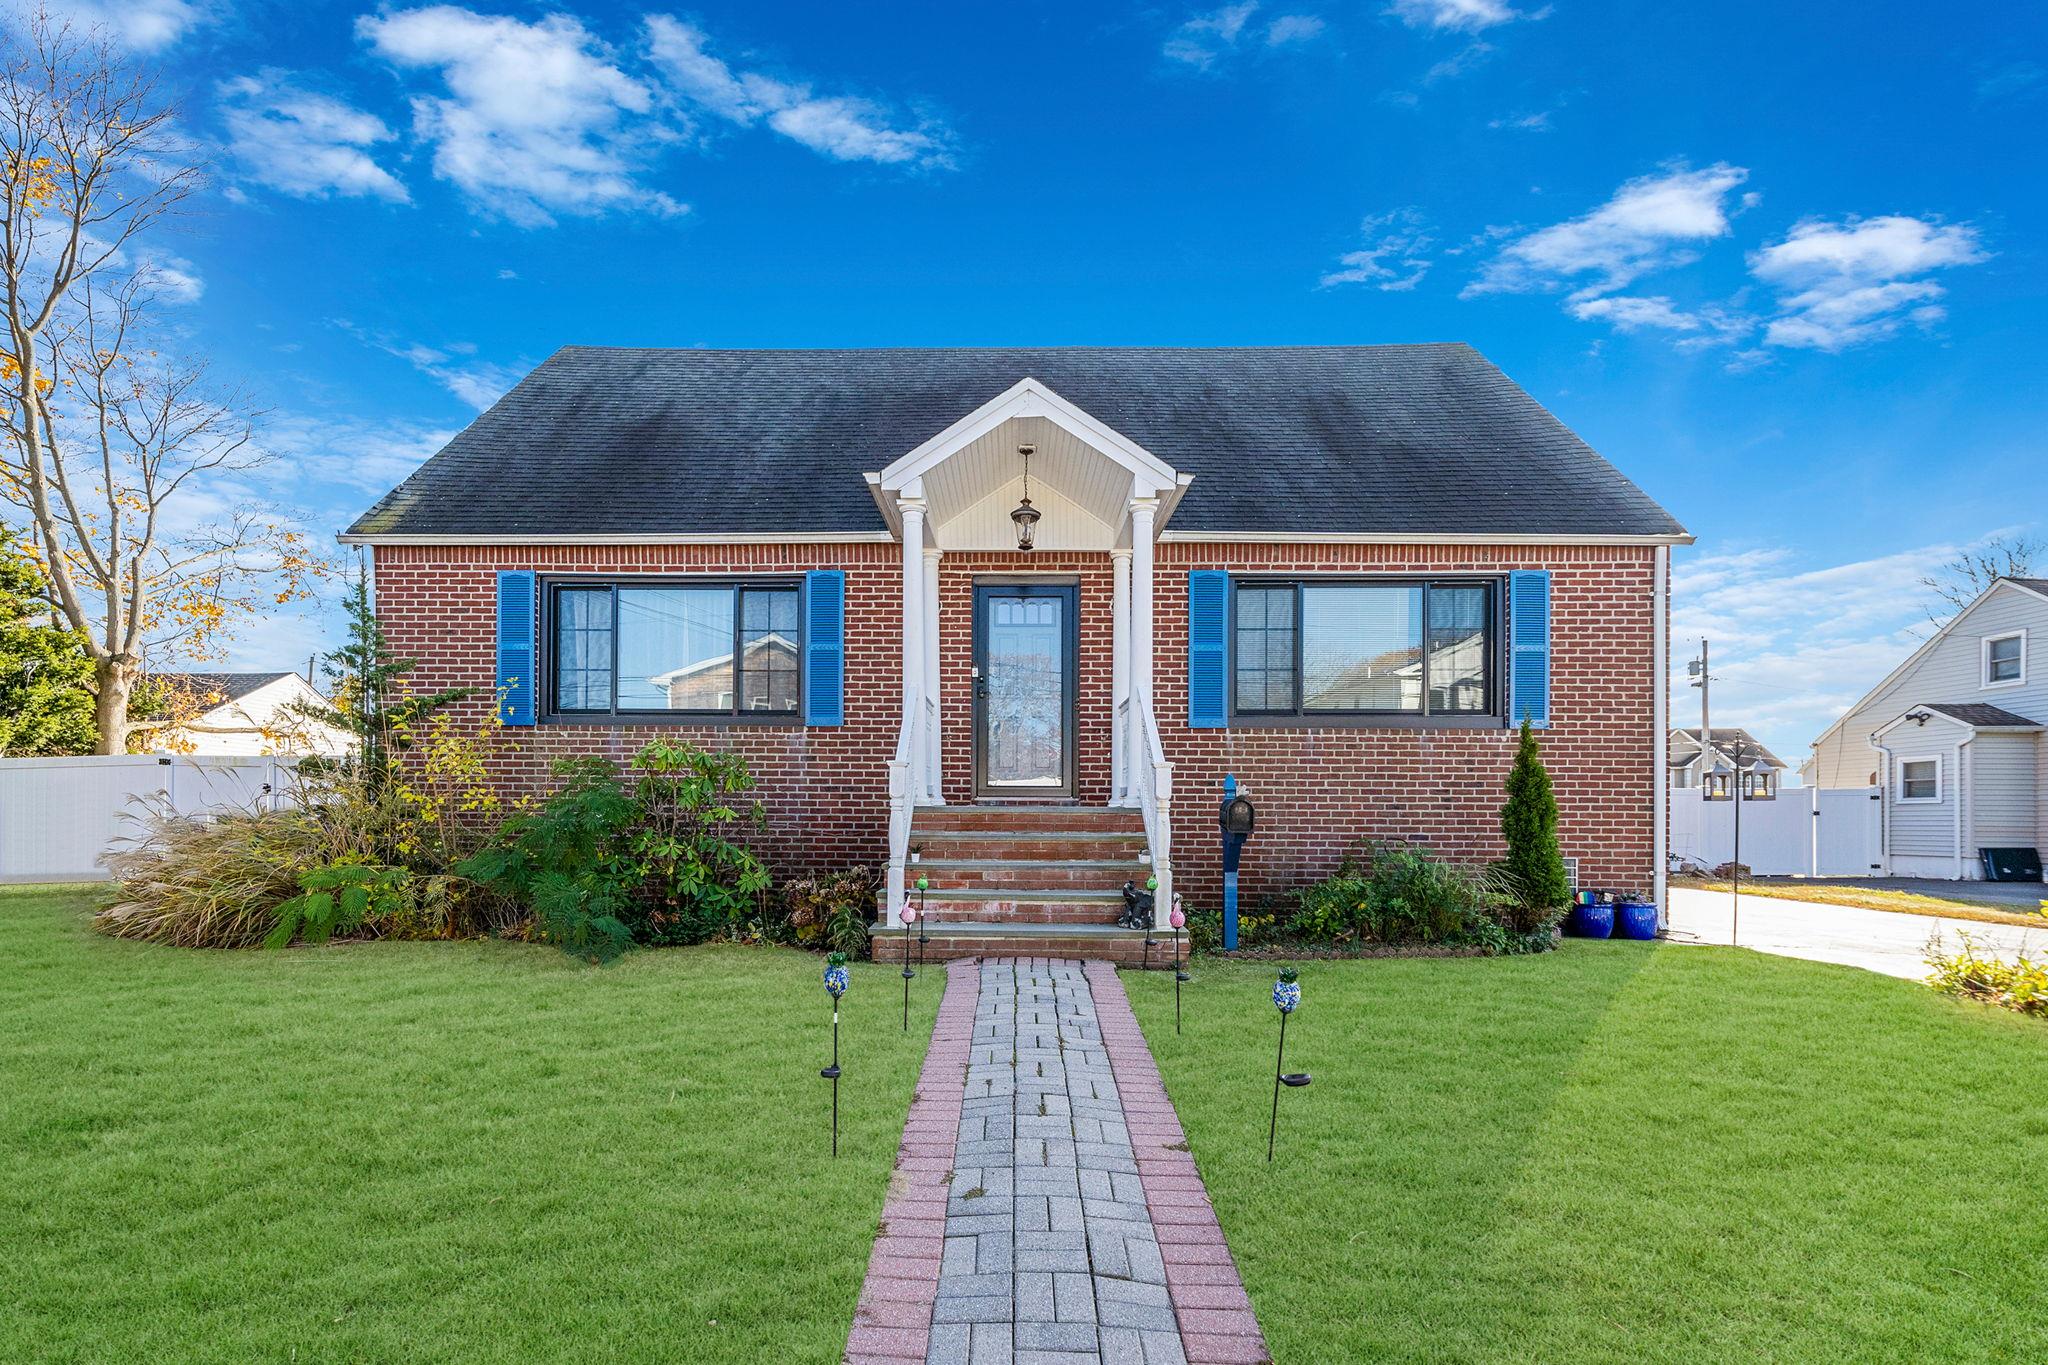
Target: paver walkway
(1075,1226)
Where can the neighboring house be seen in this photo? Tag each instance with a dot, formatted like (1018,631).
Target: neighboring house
(1711,769)
(1953,739)
(1341,574)
(243,713)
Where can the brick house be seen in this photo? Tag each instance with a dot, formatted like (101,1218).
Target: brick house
(1341,574)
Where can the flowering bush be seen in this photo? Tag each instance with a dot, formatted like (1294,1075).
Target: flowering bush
(2020,985)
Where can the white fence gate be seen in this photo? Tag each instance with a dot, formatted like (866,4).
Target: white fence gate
(1803,832)
(58,815)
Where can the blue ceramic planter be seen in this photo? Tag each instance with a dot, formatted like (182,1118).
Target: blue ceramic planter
(1636,920)
(1591,921)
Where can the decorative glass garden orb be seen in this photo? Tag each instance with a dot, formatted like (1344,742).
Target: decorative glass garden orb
(836,977)
(1287,992)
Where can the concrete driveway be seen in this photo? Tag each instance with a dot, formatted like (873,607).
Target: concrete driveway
(1876,940)
(2023,896)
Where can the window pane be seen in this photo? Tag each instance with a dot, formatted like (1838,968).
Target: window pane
(1362,648)
(2005,659)
(1917,780)
(768,645)
(583,649)
(1460,620)
(675,649)
(1265,649)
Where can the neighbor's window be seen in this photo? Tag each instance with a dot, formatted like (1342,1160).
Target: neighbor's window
(1920,779)
(1348,648)
(2005,659)
(665,648)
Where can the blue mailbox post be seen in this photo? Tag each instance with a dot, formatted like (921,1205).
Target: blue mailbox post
(1236,819)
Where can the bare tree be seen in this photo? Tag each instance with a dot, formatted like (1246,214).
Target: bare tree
(106,436)
(1963,579)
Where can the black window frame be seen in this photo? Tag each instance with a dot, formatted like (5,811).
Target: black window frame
(1494,714)
(553,714)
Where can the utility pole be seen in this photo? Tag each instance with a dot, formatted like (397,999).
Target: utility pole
(1698,669)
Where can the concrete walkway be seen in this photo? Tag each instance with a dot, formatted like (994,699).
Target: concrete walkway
(1876,940)
(1075,1228)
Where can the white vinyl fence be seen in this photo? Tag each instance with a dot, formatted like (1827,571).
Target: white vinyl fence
(58,815)
(1803,832)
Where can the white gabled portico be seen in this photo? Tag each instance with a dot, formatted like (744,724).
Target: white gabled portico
(1095,490)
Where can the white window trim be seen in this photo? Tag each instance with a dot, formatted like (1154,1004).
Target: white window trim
(1984,671)
(1899,791)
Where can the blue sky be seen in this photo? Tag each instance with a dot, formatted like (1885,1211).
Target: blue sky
(1782,264)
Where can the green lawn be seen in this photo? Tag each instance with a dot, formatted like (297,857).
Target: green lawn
(1620,1152)
(425,1152)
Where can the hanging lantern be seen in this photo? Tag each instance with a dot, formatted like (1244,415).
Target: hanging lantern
(1026,516)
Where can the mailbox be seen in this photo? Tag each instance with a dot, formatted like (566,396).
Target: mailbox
(1237,816)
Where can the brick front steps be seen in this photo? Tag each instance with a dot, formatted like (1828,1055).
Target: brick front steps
(950,941)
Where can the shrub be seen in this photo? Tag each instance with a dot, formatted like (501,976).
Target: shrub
(1533,871)
(611,860)
(209,883)
(832,911)
(340,896)
(2021,984)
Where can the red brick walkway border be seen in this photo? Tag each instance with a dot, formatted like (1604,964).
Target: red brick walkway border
(894,1320)
(1217,1326)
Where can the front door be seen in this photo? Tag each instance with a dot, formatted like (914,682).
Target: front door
(1024,646)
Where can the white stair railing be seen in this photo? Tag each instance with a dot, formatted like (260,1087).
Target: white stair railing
(1151,779)
(903,786)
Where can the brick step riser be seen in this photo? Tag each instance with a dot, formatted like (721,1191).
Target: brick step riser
(1031,877)
(1050,818)
(1020,912)
(1124,952)
(1048,849)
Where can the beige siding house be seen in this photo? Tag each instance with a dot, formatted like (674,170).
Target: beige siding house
(1954,740)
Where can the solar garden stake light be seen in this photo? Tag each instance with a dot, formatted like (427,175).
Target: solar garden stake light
(1151,885)
(923,919)
(1177,919)
(909,914)
(836,982)
(1287,999)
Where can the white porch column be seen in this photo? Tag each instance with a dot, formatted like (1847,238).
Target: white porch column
(1119,675)
(1143,510)
(912,506)
(934,749)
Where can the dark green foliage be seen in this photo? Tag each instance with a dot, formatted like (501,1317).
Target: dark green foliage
(46,678)
(1533,871)
(339,897)
(832,910)
(650,856)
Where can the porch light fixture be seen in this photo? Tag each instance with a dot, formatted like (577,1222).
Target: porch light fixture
(1026,516)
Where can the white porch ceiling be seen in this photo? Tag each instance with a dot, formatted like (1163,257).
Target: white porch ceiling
(1081,492)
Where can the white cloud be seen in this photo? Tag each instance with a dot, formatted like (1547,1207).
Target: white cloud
(1858,280)
(174,279)
(453,365)
(1394,258)
(304,143)
(538,120)
(320,456)
(1293,28)
(1523,123)
(139,25)
(1458,63)
(1651,223)
(1202,40)
(1793,646)
(1466,16)
(842,127)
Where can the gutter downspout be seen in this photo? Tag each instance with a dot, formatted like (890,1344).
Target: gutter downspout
(1962,787)
(1884,806)
(1660,737)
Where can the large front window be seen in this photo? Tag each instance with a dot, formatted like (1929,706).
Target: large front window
(673,649)
(1407,648)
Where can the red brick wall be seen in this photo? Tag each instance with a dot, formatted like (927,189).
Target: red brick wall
(826,789)
(1318,789)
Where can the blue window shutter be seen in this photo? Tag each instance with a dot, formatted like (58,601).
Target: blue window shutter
(825,647)
(1529,647)
(515,646)
(1208,624)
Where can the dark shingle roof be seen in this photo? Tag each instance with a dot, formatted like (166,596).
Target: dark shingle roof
(1364,439)
(218,689)
(2039,585)
(1982,715)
